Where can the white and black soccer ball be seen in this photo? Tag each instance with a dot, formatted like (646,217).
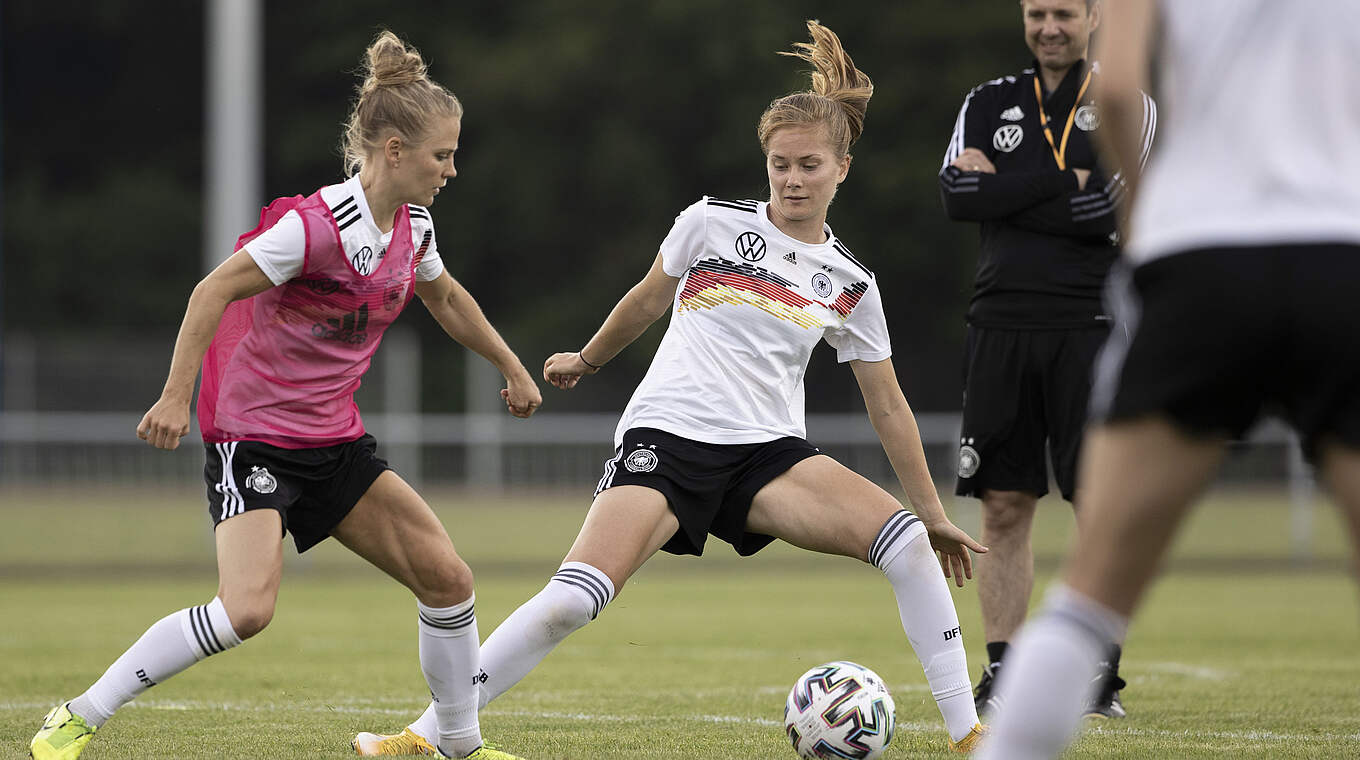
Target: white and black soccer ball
(839,710)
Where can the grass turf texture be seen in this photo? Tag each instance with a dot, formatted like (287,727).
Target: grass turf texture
(1238,653)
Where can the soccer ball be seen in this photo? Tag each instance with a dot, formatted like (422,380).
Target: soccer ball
(839,710)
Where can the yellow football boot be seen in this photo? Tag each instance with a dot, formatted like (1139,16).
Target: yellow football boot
(970,742)
(489,751)
(407,742)
(63,735)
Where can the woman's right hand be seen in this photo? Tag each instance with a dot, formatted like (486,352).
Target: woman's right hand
(564,370)
(165,423)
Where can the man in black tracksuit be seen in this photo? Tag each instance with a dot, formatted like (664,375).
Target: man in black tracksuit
(1022,163)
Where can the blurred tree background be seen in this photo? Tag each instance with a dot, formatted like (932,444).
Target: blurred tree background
(590,124)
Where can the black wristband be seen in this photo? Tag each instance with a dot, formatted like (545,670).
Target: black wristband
(582,357)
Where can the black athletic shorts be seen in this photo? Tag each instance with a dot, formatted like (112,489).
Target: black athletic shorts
(1216,337)
(312,489)
(709,485)
(1023,388)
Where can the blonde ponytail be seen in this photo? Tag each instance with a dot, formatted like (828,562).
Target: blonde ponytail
(838,100)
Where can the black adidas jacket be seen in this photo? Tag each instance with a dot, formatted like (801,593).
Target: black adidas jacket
(1046,246)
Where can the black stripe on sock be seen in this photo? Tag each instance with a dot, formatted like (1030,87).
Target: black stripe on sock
(594,581)
(598,590)
(209,630)
(584,587)
(876,547)
(193,624)
(897,534)
(453,623)
(198,632)
(888,535)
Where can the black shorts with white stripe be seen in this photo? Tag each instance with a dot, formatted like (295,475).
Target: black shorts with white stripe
(1214,338)
(709,485)
(311,489)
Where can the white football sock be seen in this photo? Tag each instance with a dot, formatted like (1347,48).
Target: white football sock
(574,596)
(169,646)
(1052,670)
(902,551)
(448,657)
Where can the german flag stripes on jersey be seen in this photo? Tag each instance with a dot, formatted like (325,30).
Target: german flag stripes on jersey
(715,282)
(751,305)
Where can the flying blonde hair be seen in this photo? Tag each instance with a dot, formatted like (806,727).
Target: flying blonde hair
(838,99)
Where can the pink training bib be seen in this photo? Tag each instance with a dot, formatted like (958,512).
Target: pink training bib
(284,364)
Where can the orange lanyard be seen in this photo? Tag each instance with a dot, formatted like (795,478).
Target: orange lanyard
(1059,152)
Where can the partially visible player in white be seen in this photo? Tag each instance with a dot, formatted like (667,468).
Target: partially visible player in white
(284,331)
(712,441)
(1239,294)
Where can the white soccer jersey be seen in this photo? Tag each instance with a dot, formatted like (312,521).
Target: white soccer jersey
(1235,78)
(751,305)
(279,251)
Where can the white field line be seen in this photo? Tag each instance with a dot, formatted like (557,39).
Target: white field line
(1182,669)
(372,707)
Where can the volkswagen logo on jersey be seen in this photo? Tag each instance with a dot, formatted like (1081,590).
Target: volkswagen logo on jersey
(363,261)
(1088,118)
(642,460)
(261,481)
(1007,137)
(821,284)
(751,246)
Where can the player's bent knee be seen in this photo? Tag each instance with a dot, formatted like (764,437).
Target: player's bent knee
(248,617)
(444,584)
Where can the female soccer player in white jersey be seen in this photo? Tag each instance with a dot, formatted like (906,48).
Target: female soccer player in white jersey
(713,439)
(293,318)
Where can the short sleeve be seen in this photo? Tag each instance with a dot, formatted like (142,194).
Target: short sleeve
(431,264)
(685,242)
(281,250)
(864,334)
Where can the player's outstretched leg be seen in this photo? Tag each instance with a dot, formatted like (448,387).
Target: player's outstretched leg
(626,525)
(172,645)
(574,596)
(249,564)
(169,646)
(902,551)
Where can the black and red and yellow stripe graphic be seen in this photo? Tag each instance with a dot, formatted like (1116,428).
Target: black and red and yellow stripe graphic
(714,282)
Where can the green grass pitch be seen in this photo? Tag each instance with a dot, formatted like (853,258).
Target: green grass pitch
(1238,653)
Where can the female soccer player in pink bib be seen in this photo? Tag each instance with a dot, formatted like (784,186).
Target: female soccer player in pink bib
(285,330)
(713,440)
